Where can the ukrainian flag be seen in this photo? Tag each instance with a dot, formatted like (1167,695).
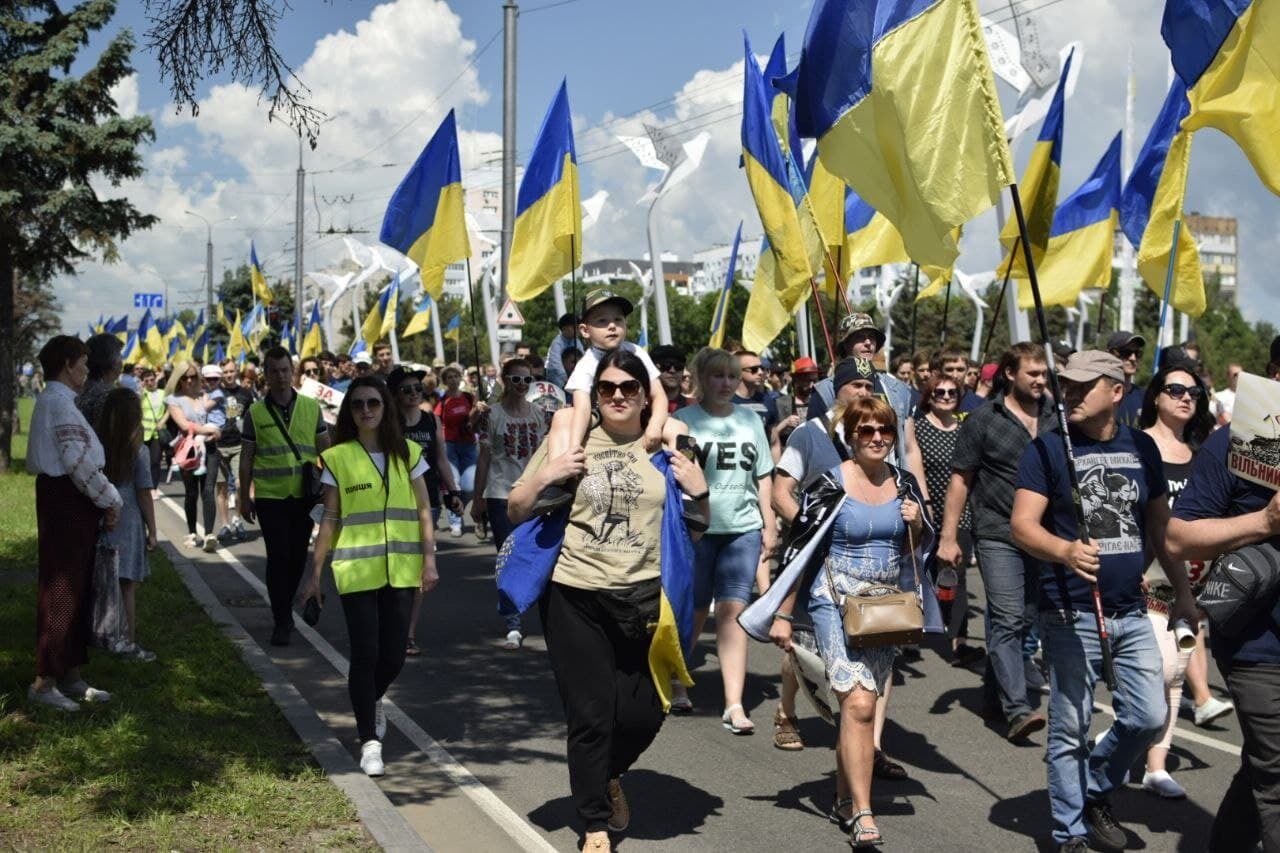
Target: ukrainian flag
(781,110)
(766,315)
(770,180)
(132,353)
(547,242)
(259,281)
(1225,52)
(313,343)
(1083,237)
(426,218)
(222,314)
(96,328)
(199,344)
(421,316)
(358,346)
(381,319)
(1039,187)
(900,96)
(1152,202)
(237,346)
(219,355)
(151,341)
(871,240)
(286,336)
(120,327)
(454,328)
(672,640)
(719,317)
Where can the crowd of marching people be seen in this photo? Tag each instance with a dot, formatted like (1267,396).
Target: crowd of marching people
(839,513)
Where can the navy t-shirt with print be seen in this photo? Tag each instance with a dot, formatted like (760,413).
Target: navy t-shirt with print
(1212,491)
(1117,479)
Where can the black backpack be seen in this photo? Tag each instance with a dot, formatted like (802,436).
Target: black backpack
(1241,585)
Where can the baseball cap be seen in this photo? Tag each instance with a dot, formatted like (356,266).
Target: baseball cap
(1090,364)
(361,358)
(804,364)
(852,370)
(211,371)
(401,372)
(566,320)
(860,322)
(602,296)
(1120,340)
(989,372)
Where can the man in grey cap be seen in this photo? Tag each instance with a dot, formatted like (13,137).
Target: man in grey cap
(1128,348)
(1123,492)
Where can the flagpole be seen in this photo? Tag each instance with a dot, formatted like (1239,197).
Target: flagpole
(475,340)
(1082,523)
(915,291)
(946,311)
(1168,287)
(573,276)
(995,315)
(826,333)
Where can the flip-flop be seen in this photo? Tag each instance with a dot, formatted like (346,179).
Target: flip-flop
(411,648)
(726,719)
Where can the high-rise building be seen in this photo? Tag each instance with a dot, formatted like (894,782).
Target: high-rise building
(1217,238)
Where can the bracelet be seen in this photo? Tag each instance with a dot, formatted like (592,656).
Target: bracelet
(702,496)
(785,617)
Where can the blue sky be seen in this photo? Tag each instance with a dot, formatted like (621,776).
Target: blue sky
(374,67)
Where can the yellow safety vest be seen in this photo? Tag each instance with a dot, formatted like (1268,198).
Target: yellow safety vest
(153,410)
(380,541)
(277,473)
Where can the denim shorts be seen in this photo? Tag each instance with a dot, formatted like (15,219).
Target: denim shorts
(724,567)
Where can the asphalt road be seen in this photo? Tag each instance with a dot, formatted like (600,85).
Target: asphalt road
(698,787)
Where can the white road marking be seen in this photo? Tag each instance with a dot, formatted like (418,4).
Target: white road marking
(486,800)
(1194,737)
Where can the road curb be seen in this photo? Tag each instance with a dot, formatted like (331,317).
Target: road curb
(380,818)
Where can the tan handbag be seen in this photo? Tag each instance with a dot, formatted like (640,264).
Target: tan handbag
(883,615)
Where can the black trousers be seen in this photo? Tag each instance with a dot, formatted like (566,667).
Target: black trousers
(203,490)
(154,455)
(286,530)
(378,630)
(610,704)
(1250,810)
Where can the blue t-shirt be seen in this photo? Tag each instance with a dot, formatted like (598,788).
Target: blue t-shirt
(1117,479)
(1130,408)
(1212,491)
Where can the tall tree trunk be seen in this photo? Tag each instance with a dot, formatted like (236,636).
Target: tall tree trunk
(8,378)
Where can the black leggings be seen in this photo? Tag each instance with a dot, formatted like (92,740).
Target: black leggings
(203,489)
(378,629)
(153,453)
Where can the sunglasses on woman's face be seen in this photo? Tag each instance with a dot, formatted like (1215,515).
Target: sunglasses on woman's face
(607,390)
(414,388)
(944,393)
(191,376)
(1177,391)
(520,380)
(870,432)
(370,403)
(311,371)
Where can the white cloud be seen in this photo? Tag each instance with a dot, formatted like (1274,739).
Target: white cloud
(125,94)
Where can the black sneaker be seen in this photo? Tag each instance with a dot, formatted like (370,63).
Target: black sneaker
(1104,832)
(552,498)
(1024,725)
(280,635)
(1074,845)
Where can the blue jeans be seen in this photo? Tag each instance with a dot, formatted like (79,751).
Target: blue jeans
(724,567)
(1009,577)
(1074,656)
(462,459)
(502,527)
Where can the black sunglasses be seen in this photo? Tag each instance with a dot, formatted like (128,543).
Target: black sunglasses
(1176,390)
(670,367)
(520,380)
(868,432)
(370,403)
(411,388)
(755,368)
(944,393)
(311,371)
(607,390)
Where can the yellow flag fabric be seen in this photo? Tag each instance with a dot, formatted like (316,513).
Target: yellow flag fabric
(766,316)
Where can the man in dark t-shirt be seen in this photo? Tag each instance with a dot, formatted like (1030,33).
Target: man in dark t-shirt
(1122,491)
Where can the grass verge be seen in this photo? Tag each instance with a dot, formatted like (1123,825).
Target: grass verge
(190,753)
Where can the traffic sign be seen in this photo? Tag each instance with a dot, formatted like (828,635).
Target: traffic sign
(510,315)
(148,300)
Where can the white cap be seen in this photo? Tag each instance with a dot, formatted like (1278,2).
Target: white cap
(211,371)
(361,358)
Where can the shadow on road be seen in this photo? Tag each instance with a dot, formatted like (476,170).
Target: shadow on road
(684,808)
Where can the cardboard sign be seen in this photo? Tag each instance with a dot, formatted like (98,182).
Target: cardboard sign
(330,399)
(1255,431)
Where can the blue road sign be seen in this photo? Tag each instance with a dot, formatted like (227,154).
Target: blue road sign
(148,300)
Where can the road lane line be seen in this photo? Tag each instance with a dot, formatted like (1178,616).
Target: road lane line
(1194,737)
(485,799)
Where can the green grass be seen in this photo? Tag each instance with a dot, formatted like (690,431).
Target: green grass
(189,754)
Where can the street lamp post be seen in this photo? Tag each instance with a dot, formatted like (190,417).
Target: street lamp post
(208,263)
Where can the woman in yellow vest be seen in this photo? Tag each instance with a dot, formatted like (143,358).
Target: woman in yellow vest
(376,504)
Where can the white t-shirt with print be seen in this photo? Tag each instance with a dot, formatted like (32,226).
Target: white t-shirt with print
(585,373)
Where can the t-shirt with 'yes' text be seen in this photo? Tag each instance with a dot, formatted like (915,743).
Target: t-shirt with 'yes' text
(734,453)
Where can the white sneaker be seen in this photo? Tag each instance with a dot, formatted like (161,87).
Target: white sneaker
(1161,784)
(191,541)
(456,530)
(53,698)
(83,692)
(210,543)
(371,758)
(379,720)
(1212,710)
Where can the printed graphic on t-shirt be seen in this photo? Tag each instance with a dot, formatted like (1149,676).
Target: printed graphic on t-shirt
(1108,492)
(520,438)
(613,491)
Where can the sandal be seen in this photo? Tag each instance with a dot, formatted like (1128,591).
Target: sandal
(845,822)
(885,767)
(862,837)
(726,719)
(785,735)
(411,648)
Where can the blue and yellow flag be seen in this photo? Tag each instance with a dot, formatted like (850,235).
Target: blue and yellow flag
(132,353)
(259,281)
(900,96)
(421,318)
(768,174)
(286,337)
(98,327)
(1039,187)
(871,240)
(150,341)
(719,316)
(454,328)
(221,313)
(357,346)
(237,346)
(219,355)
(1225,52)
(425,218)
(1152,202)
(766,316)
(547,242)
(381,319)
(120,326)
(313,343)
(1082,241)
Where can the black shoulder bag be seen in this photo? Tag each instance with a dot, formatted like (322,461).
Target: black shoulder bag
(311,488)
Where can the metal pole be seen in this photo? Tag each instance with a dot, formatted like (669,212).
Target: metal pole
(915,291)
(1019,330)
(1128,258)
(297,237)
(659,281)
(946,311)
(437,336)
(510,13)
(208,271)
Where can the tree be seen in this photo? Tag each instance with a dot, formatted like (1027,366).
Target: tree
(58,133)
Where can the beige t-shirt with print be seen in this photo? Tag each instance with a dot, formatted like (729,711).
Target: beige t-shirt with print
(615,524)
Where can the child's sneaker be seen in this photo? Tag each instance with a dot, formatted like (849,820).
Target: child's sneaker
(238,526)
(552,498)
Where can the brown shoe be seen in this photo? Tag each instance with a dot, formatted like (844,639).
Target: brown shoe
(785,735)
(1022,726)
(596,842)
(620,812)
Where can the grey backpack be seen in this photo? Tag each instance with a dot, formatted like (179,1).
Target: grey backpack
(1241,585)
